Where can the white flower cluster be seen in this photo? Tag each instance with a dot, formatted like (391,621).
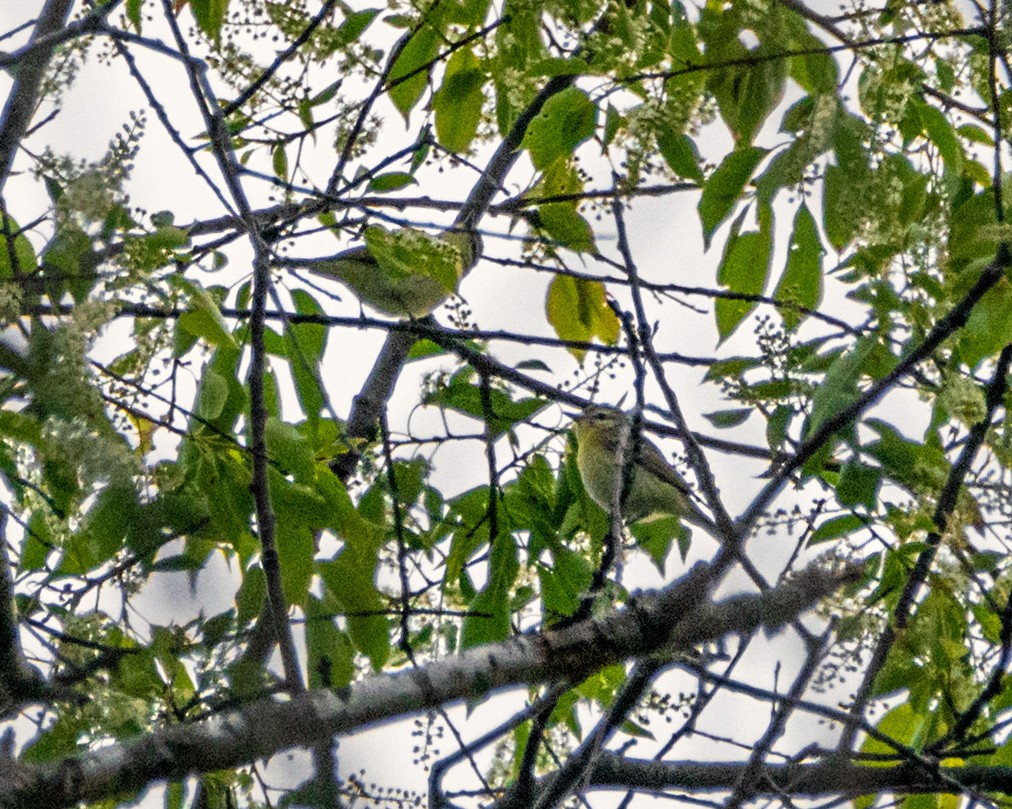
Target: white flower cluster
(11,299)
(964,399)
(96,456)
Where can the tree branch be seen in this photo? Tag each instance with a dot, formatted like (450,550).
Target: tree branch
(24,95)
(675,618)
(829,778)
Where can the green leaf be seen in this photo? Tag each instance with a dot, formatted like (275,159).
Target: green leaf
(409,75)
(425,348)
(305,343)
(144,534)
(296,548)
(613,122)
(38,542)
(111,515)
(167,238)
(903,725)
(564,581)
(391,181)
(846,189)
(578,310)
(939,129)
(562,222)
(975,134)
(776,426)
(105,529)
(329,92)
(15,245)
(410,477)
(729,418)
(53,188)
(470,512)
(251,595)
(57,741)
(566,120)
(859,485)
(746,93)
(680,153)
(352,28)
(731,368)
(839,217)
(306,118)
(133,13)
(473,12)
(655,535)
(989,328)
(210,15)
(205,319)
(458,102)
(532,503)
(488,620)
(815,71)
(137,674)
(68,262)
(897,675)
(279,160)
(331,660)
(744,269)
(839,388)
(972,229)
(290,449)
(463,395)
(902,458)
(231,507)
(724,187)
(212,396)
(836,527)
(915,187)
(350,579)
(801,282)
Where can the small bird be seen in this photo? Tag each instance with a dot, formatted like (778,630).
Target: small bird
(404,273)
(656,485)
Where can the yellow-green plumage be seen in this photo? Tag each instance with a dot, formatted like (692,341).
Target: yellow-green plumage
(656,486)
(404,273)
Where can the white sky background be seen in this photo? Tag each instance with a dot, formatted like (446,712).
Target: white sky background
(667,245)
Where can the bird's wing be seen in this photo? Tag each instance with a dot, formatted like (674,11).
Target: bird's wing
(654,462)
(651,458)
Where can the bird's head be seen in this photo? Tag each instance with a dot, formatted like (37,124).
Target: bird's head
(598,421)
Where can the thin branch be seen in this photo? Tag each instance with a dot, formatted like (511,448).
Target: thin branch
(580,764)
(230,168)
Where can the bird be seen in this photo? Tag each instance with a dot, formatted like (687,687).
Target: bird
(405,272)
(656,488)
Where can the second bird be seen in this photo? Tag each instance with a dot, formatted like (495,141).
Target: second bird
(404,273)
(656,485)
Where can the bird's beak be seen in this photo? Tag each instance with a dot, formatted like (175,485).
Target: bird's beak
(571,414)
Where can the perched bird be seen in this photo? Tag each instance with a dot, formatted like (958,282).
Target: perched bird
(656,487)
(404,273)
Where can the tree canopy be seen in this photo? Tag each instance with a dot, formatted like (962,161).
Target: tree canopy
(289,363)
